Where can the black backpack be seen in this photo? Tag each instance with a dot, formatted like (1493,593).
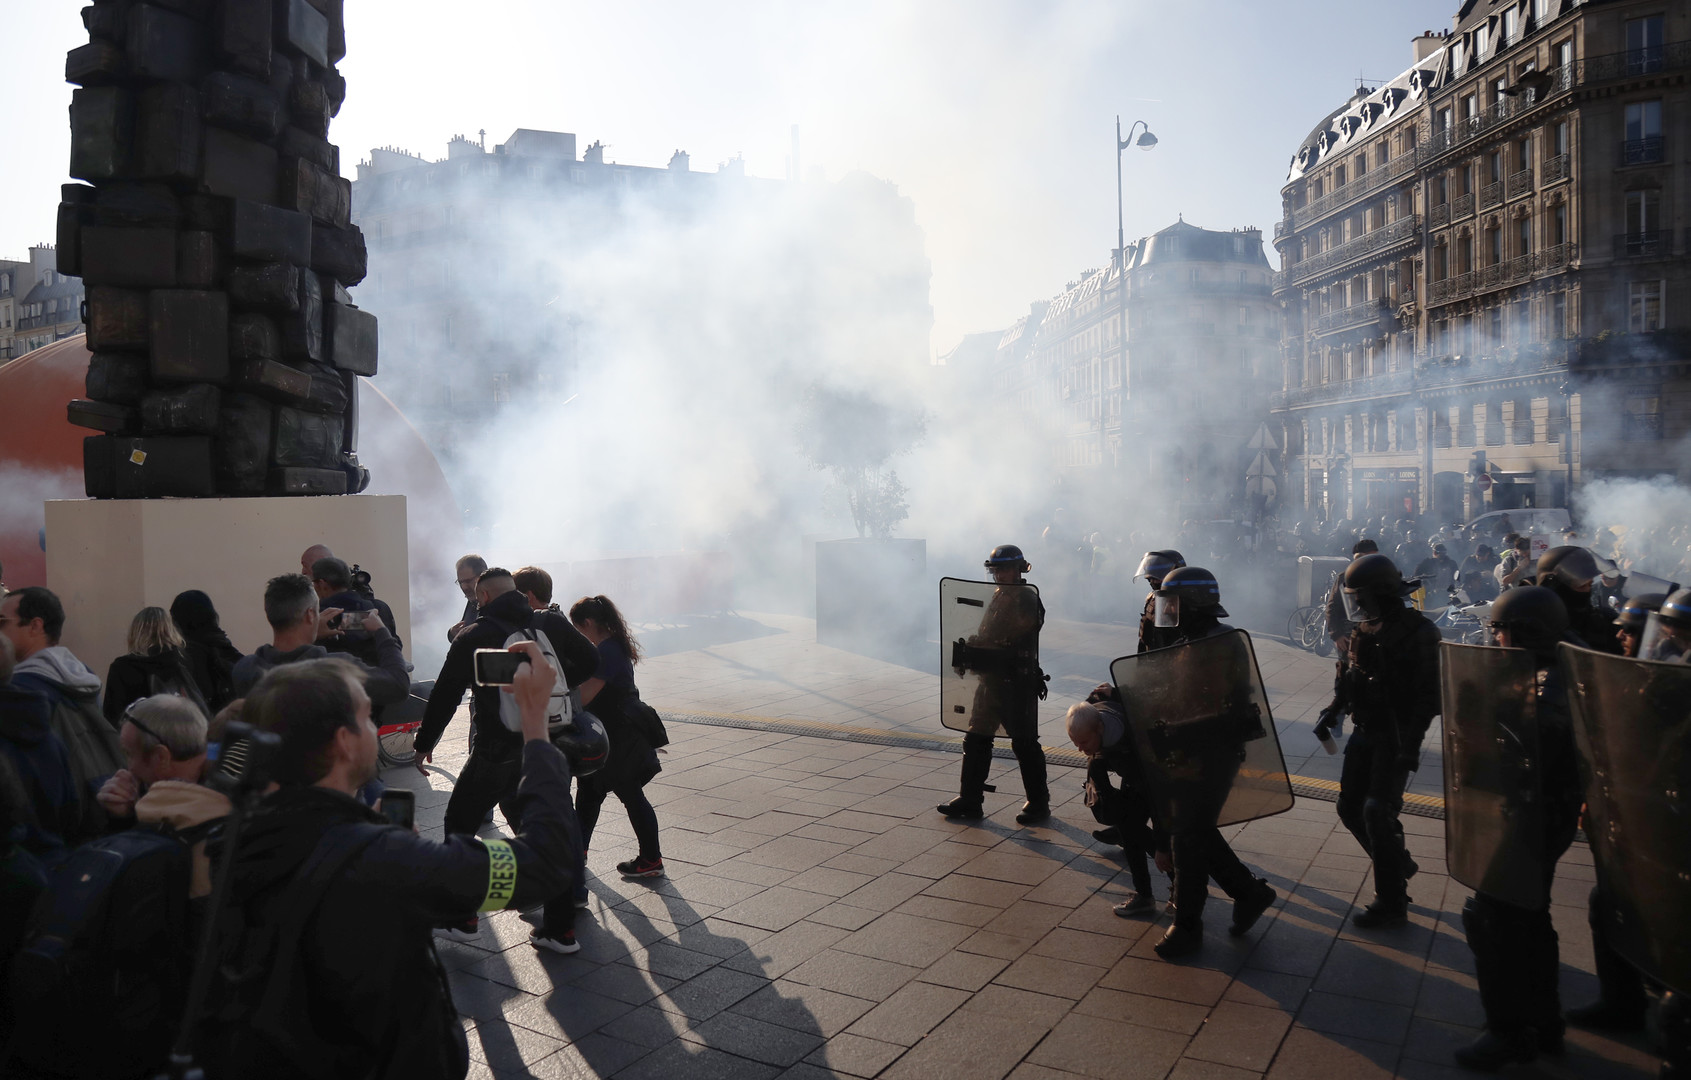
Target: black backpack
(256,1016)
(100,981)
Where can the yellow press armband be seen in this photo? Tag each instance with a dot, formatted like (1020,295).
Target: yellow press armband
(501,875)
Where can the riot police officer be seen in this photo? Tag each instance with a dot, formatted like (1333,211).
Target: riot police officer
(1391,689)
(1569,572)
(1667,635)
(1634,616)
(1515,948)
(1188,607)
(1155,566)
(1008,696)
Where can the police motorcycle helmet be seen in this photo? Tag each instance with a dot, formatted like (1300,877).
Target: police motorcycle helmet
(1373,586)
(1007,557)
(1675,612)
(583,740)
(1637,611)
(1535,617)
(1157,565)
(1188,589)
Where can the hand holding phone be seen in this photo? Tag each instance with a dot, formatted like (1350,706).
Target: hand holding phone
(400,807)
(497,667)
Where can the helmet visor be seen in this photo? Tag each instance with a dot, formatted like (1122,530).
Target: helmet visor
(1166,612)
(1360,607)
(1153,568)
(1654,643)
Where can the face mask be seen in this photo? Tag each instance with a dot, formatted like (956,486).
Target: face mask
(1167,613)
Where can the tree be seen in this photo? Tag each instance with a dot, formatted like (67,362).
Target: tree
(854,436)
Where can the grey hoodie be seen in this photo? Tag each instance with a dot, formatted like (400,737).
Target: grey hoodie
(59,666)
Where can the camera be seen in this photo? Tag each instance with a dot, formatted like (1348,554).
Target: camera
(497,667)
(361,582)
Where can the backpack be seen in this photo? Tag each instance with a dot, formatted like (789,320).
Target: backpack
(565,703)
(92,749)
(109,944)
(257,1010)
(181,683)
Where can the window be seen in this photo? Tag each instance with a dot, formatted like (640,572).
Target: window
(1494,246)
(1523,153)
(1338,177)
(1441,121)
(1560,138)
(1558,315)
(1500,90)
(1440,195)
(1559,223)
(1482,42)
(1523,236)
(1441,262)
(1511,25)
(1644,309)
(1470,107)
(1644,45)
(1643,212)
(1495,162)
(1565,53)
(1643,144)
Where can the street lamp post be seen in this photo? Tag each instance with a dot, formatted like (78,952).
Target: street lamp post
(1145,141)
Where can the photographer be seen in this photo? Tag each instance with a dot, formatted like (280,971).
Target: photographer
(332,580)
(364,993)
(299,627)
(490,776)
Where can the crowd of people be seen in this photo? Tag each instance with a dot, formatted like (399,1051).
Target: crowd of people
(192,761)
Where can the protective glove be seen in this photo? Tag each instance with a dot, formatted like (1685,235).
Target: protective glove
(1324,724)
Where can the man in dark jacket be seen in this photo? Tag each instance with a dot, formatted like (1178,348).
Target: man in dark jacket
(37,756)
(490,776)
(331,578)
(372,998)
(298,627)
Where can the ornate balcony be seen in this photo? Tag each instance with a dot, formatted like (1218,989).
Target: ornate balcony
(1462,206)
(1381,239)
(1652,244)
(1491,195)
(1519,183)
(1366,184)
(1346,318)
(1439,216)
(1649,151)
(1556,169)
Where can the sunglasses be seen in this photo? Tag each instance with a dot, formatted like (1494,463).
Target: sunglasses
(129,715)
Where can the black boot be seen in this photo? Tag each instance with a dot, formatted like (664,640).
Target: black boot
(1493,1050)
(1030,756)
(1380,916)
(977,765)
(1248,909)
(1180,941)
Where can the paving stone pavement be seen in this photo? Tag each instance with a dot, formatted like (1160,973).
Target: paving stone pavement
(820,919)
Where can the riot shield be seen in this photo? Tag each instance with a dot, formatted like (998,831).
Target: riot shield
(989,656)
(1201,725)
(1493,805)
(1632,724)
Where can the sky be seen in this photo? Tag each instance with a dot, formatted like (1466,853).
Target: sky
(995,117)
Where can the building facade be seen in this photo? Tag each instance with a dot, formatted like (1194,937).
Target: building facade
(1174,400)
(15,280)
(1479,260)
(47,310)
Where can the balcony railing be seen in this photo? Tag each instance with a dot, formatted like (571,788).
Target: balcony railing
(1369,311)
(1648,151)
(1641,427)
(1552,260)
(1519,183)
(1652,244)
(1633,63)
(1462,206)
(1556,169)
(1366,184)
(1380,239)
(1439,216)
(1491,194)
(1391,382)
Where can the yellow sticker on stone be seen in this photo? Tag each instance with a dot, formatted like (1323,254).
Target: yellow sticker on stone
(501,875)
(137,457)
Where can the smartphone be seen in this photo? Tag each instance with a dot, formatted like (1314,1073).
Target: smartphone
(400,807)
(497,667)
(336,620)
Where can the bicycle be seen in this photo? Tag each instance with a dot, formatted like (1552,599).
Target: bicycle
(1307,629)
(396,738)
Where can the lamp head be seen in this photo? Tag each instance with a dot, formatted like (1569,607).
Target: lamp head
(1146,140)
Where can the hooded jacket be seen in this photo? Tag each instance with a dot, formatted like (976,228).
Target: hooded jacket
(40,760)
(370,997)
(73,699)
(386,683)
(502,617)
(211,655)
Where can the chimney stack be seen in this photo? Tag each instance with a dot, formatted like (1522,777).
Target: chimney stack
(1425,45)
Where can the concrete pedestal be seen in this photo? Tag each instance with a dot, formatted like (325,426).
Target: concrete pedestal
(109,558)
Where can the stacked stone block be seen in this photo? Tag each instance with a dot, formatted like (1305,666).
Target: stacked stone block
(215,244)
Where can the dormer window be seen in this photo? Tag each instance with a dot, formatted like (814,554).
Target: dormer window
(47,277)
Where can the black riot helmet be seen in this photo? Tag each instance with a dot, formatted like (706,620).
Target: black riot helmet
(1187,591)
(1157,565)
(1373,586)
(1535,617)
(1676,609)
(1637,611)
(1574,567)
(1007,556)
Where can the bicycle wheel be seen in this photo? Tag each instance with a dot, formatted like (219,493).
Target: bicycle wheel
(1295,627)
(397,748)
